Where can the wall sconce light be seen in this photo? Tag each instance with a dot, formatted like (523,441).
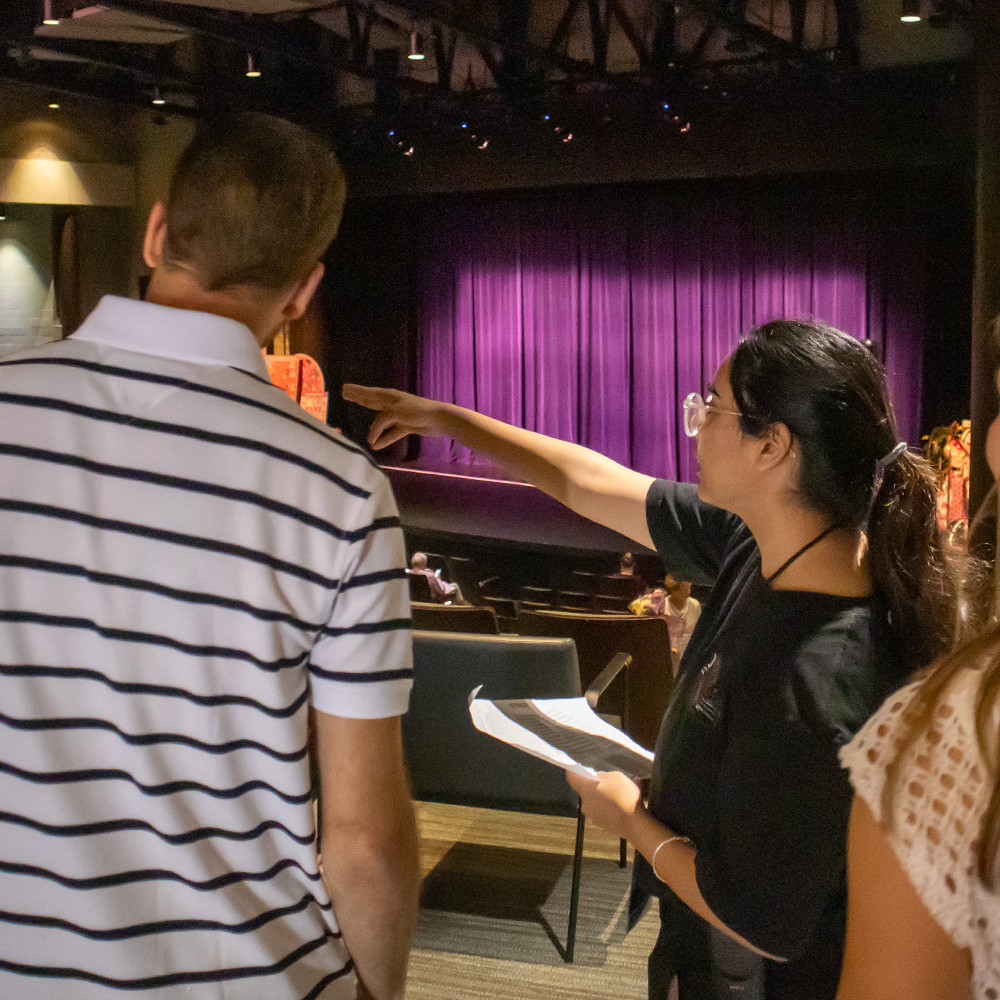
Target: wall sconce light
(911,12)
(252,70)
(416,48)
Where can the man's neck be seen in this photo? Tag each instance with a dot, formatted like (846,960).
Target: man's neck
(181,290)
(678,601)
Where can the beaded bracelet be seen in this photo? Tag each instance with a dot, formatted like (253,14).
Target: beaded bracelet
(663,843)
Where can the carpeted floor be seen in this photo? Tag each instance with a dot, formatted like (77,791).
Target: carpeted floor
(495,906)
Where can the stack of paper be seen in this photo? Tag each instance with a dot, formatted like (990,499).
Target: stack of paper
(564,731)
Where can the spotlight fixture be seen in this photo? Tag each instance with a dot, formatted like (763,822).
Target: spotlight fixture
(48,18)
(252,71)
(158,97)
(416,52)
(911,12)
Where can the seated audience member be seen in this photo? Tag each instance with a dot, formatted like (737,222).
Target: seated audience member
(923,905)
(442,591)
(652,603)
(681,611)
(627,567)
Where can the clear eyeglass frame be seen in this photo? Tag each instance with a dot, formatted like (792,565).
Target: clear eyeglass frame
(696,412)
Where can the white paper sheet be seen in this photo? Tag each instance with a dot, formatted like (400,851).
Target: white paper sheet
(574,725)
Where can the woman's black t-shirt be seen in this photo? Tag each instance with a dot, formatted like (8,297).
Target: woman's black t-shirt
(771,685)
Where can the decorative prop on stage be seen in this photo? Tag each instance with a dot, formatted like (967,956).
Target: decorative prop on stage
(300,376)
(947,449)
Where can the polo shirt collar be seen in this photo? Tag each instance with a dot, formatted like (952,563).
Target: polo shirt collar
(182,334)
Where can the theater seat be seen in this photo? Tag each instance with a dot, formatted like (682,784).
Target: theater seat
(450,761)
(598,638)
(454,618)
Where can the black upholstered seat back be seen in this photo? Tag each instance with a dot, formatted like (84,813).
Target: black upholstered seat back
(454,618)
(448,758)
(598,638)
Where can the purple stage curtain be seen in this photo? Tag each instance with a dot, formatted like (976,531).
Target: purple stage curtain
(589,314)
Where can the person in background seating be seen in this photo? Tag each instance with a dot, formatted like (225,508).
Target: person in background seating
(681,611)
(442,591)
(628,568)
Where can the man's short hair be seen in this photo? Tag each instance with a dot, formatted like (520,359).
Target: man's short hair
(418,560)
(255,200)
(628,561)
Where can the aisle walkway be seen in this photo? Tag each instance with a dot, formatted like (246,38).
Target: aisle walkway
(496,887)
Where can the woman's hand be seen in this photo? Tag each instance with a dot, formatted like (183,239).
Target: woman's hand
(611,800)
(399,413)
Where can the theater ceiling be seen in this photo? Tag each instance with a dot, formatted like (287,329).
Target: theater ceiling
(501,65)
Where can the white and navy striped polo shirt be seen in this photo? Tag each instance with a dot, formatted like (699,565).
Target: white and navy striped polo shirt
(187,562)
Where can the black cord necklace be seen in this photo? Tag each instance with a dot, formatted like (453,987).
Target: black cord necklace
(805,548)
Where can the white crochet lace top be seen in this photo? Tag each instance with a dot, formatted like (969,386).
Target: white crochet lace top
(943,790)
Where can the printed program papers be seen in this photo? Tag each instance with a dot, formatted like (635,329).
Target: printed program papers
(564,731)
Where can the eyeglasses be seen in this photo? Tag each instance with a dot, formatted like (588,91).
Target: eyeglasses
(696,412)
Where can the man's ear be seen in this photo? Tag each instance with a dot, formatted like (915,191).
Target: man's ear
(156,233)
(302,295)
(774,446)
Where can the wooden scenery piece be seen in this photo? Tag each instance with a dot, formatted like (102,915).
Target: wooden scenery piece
(948,449)
(301,377)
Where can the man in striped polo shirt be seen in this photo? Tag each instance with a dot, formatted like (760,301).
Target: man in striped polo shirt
(191,567)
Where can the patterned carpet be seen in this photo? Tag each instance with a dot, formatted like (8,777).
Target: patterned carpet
(496,901)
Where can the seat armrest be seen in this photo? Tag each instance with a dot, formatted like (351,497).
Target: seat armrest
(602,682)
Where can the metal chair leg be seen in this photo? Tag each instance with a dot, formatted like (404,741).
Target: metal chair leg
(623,853)
(574,899)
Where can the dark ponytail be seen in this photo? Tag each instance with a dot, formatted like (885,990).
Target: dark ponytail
(830,391)
(908,563)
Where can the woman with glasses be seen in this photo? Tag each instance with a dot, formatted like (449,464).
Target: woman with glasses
(817,530)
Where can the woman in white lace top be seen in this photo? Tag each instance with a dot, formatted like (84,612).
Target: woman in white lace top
(923,916)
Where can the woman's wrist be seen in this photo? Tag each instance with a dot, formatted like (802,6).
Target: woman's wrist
(641,826)
(448,419)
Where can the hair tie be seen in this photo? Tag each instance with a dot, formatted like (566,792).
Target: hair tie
(880,468)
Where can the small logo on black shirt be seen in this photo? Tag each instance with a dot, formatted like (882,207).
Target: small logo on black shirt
(704,693)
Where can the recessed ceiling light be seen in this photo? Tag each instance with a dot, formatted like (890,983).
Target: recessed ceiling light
(48,18)
(252,70)
(911,12)
(158,97)
(416,52)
